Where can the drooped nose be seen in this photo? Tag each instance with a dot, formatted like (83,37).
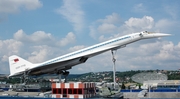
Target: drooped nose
(160,34)
(153,35)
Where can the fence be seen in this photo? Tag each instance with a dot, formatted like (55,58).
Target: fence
(152,90)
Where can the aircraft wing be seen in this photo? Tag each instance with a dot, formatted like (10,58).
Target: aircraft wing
(57,66)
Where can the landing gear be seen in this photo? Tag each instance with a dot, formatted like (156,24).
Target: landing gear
(113,52)
(65,73)
(25,77)
(59,75)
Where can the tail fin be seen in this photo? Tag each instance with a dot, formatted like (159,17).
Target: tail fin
(18,65)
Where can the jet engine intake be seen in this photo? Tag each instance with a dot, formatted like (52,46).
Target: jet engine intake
(83,59)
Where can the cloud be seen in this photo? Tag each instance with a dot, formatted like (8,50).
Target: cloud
(165,24)
(36,47)
(139,8)
(169,52)
(106,28)
(147,22)
(13,6)
(42,38)
(70,38)
(71,10)
(38,37)
(111,29)
(156,55)
(109,25)
(114,18)
(75,48)
(9,47)
(40,53)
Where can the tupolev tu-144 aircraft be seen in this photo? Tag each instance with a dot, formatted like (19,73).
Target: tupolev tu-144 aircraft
(60,65)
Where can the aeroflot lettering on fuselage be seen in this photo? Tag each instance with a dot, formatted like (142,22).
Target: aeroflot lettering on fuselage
(110,42)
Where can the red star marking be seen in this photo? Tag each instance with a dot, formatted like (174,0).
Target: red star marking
(16,60)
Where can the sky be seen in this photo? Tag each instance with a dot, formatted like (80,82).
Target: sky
(39,30)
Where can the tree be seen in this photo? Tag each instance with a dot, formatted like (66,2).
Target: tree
(123,86)
(139,86)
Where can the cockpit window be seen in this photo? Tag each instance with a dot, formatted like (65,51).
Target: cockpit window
(148,32)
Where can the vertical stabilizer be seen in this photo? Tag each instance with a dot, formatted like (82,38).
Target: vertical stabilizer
(18,65)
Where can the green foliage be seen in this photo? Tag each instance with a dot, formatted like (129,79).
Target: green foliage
(99,76)
(174,75)
(125,74)
(139,86)
(13,80)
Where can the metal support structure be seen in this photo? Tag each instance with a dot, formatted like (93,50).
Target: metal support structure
(114,66)
(149,86)
(26,76)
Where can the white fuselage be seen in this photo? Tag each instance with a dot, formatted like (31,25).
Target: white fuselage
(67,61)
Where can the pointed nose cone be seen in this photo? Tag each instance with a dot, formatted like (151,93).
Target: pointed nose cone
(161,34)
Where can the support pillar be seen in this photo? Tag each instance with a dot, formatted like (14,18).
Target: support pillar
(114,66)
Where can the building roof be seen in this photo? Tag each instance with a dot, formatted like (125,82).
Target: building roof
(145,76)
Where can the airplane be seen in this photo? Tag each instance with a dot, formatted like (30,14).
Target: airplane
(60,65)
